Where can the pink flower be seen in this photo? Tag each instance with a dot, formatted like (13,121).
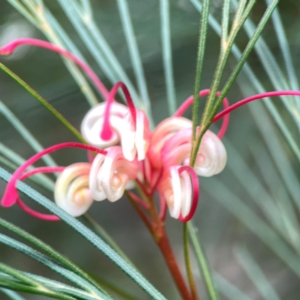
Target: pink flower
(156,161)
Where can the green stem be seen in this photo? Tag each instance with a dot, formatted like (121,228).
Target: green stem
(244,57)
(210,106)
(199,66)
(203,264)
(47,105)
(188,262)
(222,63)
(224,27)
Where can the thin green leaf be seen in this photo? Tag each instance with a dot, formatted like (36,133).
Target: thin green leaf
(47,105)
(254,223)
(239,12)
(229,290)
(134,54)
(225,23)
(41,179)
(255,273)
(99,39)
(244,57)
(49,250)
(53,31)
(25,133)
(199,64)
(114,289)
(45,260)
(283,200)
(55,286)
(11,294)
(272,68)
(203,263)
(20,7)
(255,82)
(167,54)
(28,284)
(222,61)
(105,236)
(188,262)
(89,235)
(254,188)
(69,10)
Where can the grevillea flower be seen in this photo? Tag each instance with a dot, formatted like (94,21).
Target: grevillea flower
(128,152)
(111,123)
(110,174)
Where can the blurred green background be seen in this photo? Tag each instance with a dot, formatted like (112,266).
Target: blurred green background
(251,175)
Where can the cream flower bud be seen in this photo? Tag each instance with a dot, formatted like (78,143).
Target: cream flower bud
(110,174)
(71,191)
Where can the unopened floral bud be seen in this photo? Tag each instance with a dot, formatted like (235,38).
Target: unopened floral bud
(110,174)
(71,191)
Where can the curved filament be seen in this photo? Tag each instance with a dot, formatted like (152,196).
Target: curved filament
(10,48)
(10,194)
(106,132)
(30,211)
(253,98)
(189,101)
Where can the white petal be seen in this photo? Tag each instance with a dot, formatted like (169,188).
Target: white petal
(94,183)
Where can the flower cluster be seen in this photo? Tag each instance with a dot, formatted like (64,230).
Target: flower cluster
(129,154)
(156,161)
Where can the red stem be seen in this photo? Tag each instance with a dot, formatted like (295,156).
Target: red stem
(157,230)
(168,254)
